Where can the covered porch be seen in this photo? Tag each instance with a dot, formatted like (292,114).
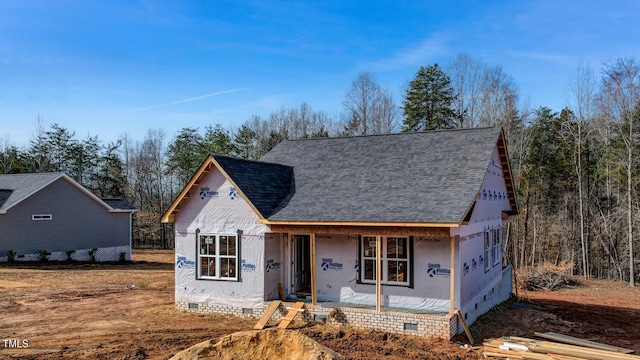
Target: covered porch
(405,269)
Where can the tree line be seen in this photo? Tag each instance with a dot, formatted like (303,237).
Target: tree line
(576,169)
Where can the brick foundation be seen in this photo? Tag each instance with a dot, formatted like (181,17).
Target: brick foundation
(388,321)
(441,326)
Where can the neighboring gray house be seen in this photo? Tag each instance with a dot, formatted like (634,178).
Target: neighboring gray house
(52,212)
(397,232)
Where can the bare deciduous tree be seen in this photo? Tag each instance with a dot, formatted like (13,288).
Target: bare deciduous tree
(368,109)
(486,95)
(466,75)
(619,103)
(583,89)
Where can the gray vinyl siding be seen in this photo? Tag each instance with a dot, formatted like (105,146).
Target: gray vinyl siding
(78,222)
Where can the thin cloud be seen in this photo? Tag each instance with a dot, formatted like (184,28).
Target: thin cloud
(546,57)
(416,54)
(195,98)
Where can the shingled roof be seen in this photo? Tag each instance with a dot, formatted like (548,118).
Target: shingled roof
(411,178)
(15,188)
(120,204)
(425,177)
(265,185)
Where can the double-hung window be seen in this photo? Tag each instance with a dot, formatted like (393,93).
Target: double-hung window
(487,250)
(395,257)
(497,246)
(218,257)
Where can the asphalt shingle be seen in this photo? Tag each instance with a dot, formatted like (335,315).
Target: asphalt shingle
(425,177)
(119,204)
(15,187)
(266,185)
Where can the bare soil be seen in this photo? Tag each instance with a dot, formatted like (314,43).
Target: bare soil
(126,311)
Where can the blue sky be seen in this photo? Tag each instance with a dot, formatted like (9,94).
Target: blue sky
(112,67)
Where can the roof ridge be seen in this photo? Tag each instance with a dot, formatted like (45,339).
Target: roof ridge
(396,133)
(250,160)
(35,174)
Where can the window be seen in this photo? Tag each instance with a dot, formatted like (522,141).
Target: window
(497,246)
(487,254)
(41,217)
(395,257)
(217,257)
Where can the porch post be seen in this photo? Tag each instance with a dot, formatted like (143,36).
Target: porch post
(452,273)
(378,273)
(314,295)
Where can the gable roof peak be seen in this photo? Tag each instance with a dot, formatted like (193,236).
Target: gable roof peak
(15,188)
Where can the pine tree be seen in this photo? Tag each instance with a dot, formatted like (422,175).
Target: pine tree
(216,140)
(245,142)
(428,102)
(181,155)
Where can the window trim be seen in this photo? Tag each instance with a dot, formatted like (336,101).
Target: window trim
(385,261)
(487,250)
(218,258)
(497,245)
(41,217)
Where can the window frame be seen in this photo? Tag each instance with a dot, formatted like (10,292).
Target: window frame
(218,258)
(487,250)
(497,245)
(385,260)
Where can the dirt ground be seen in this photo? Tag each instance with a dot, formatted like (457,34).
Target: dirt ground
(126,311)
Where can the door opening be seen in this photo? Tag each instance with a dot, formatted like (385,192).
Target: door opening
(300,265)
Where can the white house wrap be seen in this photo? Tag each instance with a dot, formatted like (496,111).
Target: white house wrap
(218,208)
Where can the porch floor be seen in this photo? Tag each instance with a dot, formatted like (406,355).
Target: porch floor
(306,298)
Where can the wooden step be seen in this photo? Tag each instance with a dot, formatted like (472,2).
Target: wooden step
(295,309)
(267,315)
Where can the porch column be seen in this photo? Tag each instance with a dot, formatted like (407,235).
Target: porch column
(378,273)
(312,245)
(452,273)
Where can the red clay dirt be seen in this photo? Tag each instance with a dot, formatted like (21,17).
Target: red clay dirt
(597,310)
(126,311)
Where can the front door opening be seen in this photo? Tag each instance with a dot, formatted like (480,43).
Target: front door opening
(301,264)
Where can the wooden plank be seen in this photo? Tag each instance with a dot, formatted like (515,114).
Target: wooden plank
(452,280)
(439,233)
(295,309)
(521,340)
(501,355)
(281,292)
(360,223)
(581,342)
(267,315)
(465,327)
(378,273)
(579,351)
(533,356)
(563,357)
(314,290)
